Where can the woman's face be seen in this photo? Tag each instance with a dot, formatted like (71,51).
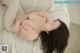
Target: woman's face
(32,24)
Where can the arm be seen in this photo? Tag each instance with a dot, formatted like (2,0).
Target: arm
(60,11)
(10,15)
(13,10)
(2,12)
(1,17)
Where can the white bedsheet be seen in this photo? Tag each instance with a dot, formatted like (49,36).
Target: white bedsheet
(16,44)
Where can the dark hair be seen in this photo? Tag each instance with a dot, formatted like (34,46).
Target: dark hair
(56,40)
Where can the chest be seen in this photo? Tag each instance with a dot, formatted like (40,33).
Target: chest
(35,5)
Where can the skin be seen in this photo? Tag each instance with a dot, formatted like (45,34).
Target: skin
(34,23)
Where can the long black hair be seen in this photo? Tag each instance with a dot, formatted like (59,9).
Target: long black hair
(56,40)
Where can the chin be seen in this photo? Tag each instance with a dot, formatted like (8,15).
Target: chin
(30,37)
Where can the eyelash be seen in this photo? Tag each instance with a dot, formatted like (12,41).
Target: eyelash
(55,20)
(27,18)
(46,21)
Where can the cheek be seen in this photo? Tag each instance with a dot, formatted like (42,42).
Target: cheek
(48,26)
(40,24)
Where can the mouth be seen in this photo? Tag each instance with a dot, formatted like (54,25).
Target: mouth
(21,26)
(24,28)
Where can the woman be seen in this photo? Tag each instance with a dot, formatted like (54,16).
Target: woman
(54,34)
(21,7)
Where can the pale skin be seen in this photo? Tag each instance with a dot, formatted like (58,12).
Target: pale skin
(29,26)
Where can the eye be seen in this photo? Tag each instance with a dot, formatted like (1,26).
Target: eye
(54,20)
(46,21)
(27,18)
(21,23)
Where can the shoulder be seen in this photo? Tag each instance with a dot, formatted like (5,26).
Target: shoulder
(6,2)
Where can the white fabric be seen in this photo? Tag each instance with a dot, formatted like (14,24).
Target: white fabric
(10,15)
(2,12)
(60,11)
(1,18)
(16,44)
(16,8)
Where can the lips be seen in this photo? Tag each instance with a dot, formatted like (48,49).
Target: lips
(25,25)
